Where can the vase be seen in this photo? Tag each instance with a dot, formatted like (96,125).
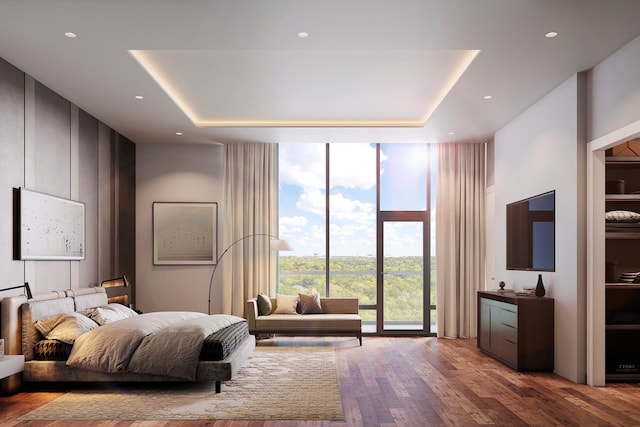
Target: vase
(540,292)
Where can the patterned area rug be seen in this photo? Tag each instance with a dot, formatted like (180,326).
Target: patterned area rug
(276,383)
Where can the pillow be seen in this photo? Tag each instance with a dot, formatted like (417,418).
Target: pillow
(310,304)
(286,304)
(64,327)
(622,216)
(109,313)
(264,305)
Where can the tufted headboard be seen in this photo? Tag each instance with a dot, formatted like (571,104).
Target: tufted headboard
(17,311)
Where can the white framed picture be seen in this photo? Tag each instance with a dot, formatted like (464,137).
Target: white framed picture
(185,233)
(50,227)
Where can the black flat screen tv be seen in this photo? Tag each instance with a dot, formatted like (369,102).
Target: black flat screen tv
(531,233)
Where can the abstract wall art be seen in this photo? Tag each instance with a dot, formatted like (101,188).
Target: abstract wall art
(50,227)
(185,233)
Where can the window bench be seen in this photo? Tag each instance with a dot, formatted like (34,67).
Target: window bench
(339,318)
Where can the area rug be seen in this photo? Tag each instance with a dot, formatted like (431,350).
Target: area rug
(276,383)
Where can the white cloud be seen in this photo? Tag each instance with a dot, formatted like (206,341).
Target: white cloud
(353,166)
(303,165)
(402,238)
(312,201)
(298,221)
(292,225)
(343,209)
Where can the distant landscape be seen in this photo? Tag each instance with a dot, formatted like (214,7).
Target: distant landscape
(355,276)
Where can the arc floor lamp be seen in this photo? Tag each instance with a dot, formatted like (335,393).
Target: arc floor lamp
(276,245)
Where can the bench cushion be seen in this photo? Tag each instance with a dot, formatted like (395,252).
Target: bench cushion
(309,323)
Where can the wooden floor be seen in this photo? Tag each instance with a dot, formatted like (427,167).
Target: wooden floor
(418,382)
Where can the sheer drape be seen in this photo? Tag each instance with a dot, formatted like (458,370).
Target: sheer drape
(250,207)
(460,237)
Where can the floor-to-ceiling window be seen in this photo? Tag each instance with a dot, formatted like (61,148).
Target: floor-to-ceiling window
(303,183)
(360,219)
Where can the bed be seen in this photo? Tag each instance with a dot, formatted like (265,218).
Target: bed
(122,346)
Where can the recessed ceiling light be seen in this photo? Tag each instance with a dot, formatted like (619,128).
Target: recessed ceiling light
(551,34)
(303,34)
(488,97)
(139,97)
(70,35)
(178,133)
(452,133)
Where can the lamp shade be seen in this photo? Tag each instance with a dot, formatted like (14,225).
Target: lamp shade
(117,282)
(280,245)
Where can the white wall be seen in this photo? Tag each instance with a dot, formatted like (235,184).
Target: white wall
(614,117)
(174,173)
(543,149)
(614,88)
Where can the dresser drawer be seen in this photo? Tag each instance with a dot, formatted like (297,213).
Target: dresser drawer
(510,317)
(509,333)
(508,351)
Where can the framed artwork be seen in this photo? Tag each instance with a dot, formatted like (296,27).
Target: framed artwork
(185,233)
(50,227)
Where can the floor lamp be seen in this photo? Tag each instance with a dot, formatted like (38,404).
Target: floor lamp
(276,245)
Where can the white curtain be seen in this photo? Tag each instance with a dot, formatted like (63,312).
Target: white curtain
(250,207)
(460,237)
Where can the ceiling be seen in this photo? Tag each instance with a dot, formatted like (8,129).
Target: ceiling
(368,71)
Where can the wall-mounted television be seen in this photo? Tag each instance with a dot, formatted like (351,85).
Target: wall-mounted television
(531,233)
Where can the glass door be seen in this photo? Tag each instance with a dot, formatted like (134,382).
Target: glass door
(403,275)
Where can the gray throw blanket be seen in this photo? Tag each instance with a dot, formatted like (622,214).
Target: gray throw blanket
(161,343)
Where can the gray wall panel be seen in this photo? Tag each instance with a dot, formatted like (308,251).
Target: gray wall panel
(88,191)
(105,202)
(51,170)
(52,136)
(11,166)
(126,214)
(49,145)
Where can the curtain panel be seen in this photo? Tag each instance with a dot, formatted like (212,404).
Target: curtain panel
(250,207)
(460,237)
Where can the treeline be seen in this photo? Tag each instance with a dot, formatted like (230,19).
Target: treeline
(354,276)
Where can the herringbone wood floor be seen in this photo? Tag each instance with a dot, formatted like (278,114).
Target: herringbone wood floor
(418,382)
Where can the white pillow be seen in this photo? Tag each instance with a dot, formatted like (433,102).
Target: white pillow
(622,216)
(286,304)
(109,313)
(65,327)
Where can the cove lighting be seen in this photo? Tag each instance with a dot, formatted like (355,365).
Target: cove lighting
(175,89)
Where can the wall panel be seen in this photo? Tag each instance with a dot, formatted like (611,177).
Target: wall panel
(51,172)
(88,193)
(49,145)
(11,166)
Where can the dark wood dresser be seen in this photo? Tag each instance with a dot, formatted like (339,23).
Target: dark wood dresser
(516,330)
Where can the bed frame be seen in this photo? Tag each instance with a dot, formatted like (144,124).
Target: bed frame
(16,327)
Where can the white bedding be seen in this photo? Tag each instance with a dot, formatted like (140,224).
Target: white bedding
(160,343)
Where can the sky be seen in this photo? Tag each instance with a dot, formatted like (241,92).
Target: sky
(352,197)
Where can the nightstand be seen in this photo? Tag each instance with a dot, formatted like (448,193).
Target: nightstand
(11,364)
